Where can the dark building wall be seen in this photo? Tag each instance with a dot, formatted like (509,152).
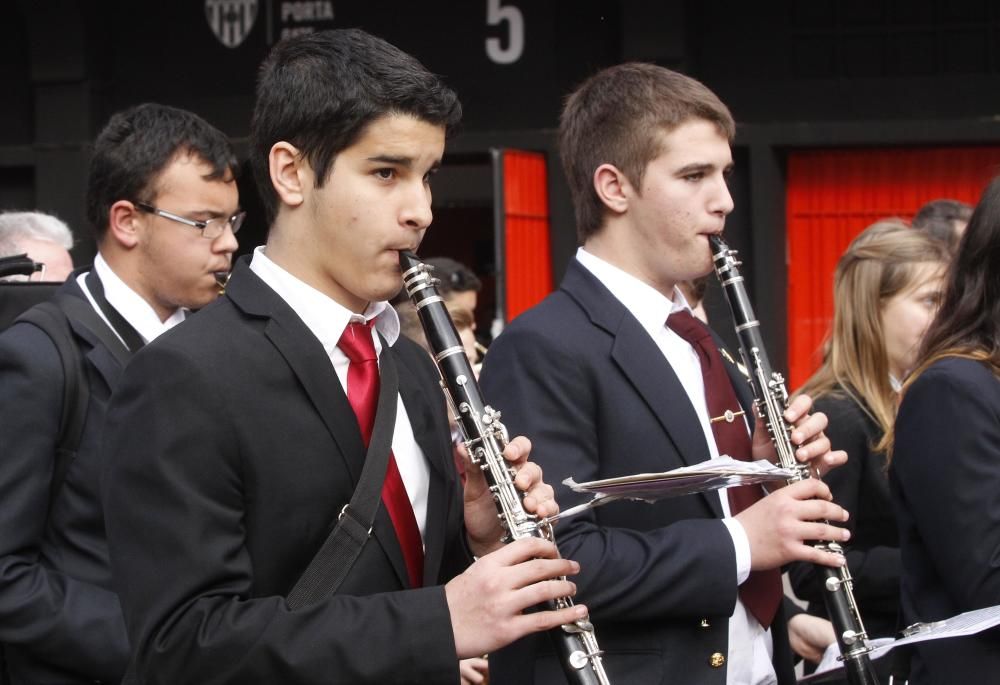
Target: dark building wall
(15,60)
(850,60)
(796,73)
(66,65)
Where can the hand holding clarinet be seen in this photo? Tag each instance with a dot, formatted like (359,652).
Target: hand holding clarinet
(506,502)
(789,429)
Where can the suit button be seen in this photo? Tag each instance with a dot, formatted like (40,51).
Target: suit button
(716,660)
(704,623)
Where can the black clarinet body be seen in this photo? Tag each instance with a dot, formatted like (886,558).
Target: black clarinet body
(771,399)
(485,439)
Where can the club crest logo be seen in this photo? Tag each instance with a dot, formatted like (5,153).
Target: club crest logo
(231,20)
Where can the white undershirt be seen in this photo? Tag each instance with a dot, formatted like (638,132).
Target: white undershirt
(134,309)
(750,646)
(327,320)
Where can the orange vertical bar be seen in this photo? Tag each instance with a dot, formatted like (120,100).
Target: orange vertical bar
(527,251)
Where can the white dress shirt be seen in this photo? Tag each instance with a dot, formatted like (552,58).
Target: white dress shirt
(327,320)
(134,309)
(750,646)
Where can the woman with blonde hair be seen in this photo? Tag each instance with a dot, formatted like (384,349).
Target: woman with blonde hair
(886,290)
(945,462)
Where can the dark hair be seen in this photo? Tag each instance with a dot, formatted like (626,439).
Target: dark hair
(137,144)
(938,217)
(969,318)
(453,277)
(967,324)
(617,117)
(319,92)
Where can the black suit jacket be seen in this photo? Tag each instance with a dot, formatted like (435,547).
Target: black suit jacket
(584,381)
(231,449)
(60,621)
(862,487)
(945,481)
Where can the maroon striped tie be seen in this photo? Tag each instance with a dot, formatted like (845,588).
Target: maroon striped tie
(761,592)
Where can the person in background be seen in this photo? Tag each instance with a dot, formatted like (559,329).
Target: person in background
(457,283)
(459,287)
(694,292)
(465,325)
(887,288)
(944,470)
(162,198)
(43,237)
(944,220)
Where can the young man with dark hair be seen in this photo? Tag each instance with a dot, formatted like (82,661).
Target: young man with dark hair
(603,378)
(163,201)
(235,442)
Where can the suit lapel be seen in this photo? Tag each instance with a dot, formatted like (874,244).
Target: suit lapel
(108,366)
(642,363)
(108,363)
(660,389)
(306,357)
(428,433)
(426,429)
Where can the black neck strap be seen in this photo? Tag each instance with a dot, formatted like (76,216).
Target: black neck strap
(329,567)
(133,341)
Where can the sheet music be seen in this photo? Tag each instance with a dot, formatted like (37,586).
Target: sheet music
(721,472)
(968,623)
(832,668)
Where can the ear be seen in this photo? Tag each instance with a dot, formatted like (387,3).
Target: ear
(289,172)
(612,187)
(123,224)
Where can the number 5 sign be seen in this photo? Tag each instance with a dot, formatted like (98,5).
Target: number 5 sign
(497,14)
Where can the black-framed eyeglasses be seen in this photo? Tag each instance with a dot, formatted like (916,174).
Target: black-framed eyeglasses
(211,229)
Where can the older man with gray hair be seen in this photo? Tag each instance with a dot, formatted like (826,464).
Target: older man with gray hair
(44,238)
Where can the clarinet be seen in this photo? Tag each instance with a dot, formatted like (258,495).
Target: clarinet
(771,400)
(485,439)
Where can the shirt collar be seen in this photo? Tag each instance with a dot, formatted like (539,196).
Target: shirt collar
(645,302)
(134,309)
(321,314)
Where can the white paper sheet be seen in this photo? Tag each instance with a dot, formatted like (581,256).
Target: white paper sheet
(721,472)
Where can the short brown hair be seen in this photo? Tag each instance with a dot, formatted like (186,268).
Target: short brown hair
(616,117)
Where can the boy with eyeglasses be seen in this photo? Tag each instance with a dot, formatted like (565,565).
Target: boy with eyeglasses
(163,201)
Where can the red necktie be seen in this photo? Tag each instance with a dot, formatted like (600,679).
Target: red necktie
(362,392)
(761,592)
